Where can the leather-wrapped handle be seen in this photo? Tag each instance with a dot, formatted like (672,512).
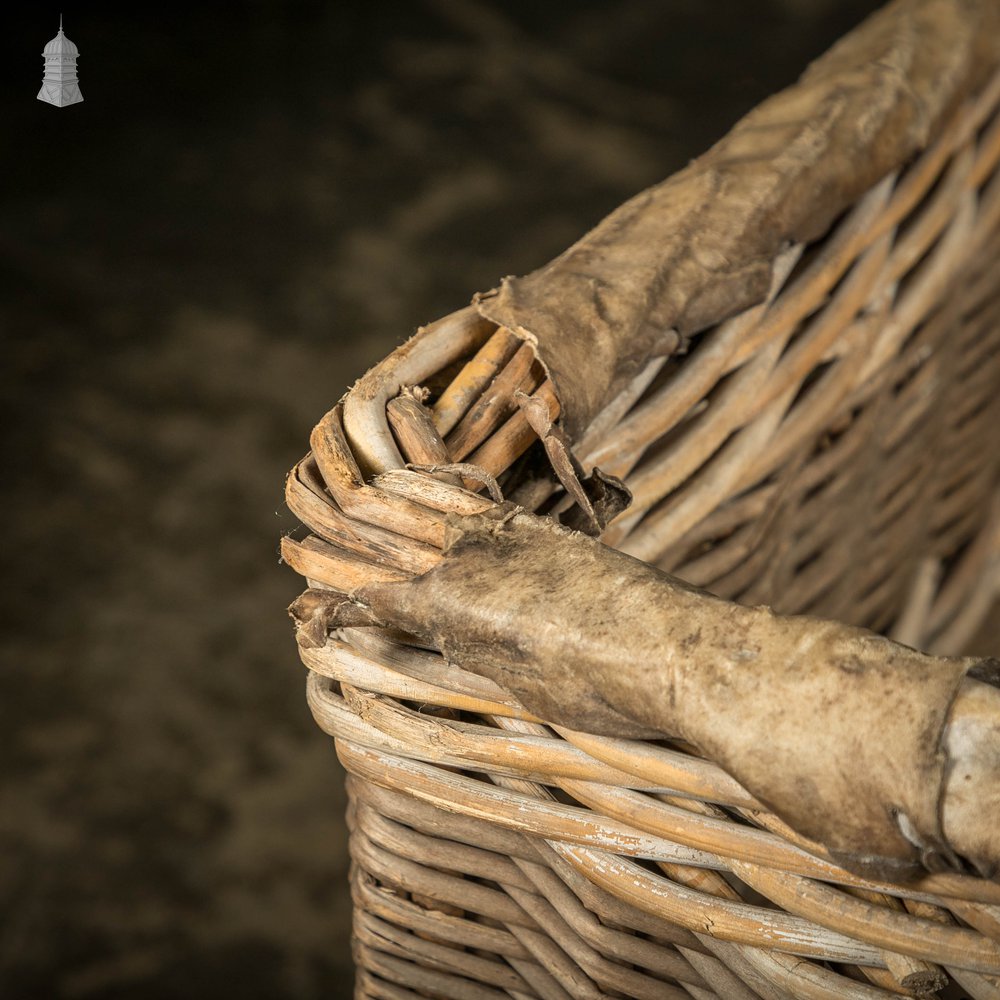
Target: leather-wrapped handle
(842,732)
(700,246)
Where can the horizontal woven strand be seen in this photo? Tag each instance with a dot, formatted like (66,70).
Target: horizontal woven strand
(907,934)
(384,937)
(409,973)
(510,808)
(433,923)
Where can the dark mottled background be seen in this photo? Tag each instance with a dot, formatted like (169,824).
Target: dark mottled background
(254,203)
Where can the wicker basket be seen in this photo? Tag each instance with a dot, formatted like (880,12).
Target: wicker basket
(816,430)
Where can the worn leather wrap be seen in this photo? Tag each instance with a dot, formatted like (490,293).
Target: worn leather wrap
(838,730)
(699,247)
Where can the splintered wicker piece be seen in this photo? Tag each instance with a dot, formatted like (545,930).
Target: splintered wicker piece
(776,377)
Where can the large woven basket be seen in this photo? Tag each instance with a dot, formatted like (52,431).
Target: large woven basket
(790,352)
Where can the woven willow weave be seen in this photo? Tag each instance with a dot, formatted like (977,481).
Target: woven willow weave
(817,430)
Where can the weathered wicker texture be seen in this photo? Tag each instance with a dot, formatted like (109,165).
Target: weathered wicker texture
(831,450)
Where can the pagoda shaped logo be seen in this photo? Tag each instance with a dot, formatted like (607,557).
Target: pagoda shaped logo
(59,85)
